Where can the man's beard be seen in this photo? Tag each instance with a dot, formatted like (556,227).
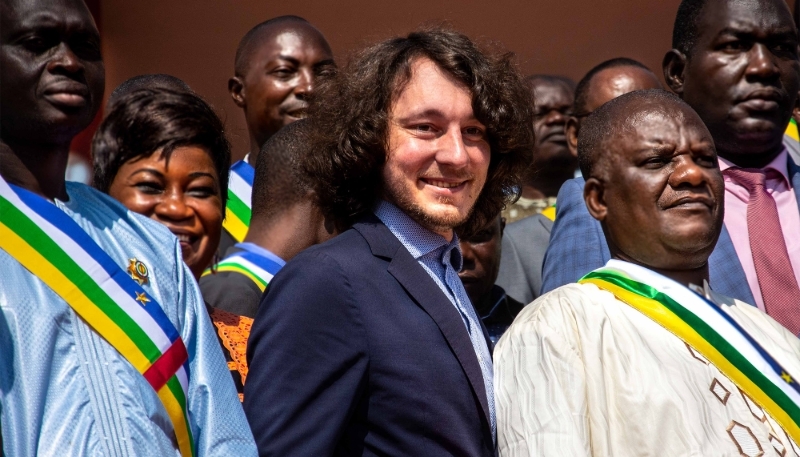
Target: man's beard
(435,221)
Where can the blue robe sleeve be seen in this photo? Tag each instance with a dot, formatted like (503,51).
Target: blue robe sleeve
(219,426)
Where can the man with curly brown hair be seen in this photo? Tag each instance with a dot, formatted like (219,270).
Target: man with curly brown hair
(368,344)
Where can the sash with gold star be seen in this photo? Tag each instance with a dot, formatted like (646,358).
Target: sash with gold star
(54,248)
(710,330)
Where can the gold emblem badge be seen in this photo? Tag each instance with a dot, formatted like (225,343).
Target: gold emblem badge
(142,298)
(138,271)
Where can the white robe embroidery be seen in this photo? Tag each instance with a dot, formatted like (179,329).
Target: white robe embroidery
(580,373)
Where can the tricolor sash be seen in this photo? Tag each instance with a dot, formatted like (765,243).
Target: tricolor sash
(238,208)
(791,130)
(711,331)
(55,249)
(258,268)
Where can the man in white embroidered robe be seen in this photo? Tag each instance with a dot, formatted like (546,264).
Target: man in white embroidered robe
(582,373)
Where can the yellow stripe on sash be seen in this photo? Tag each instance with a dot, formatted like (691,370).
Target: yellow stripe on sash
(31,259)
(236,269)
(550,213)
(791,130)
(175,411)
(672,323)
(235,226)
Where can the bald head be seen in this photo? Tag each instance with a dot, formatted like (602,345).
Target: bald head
(609,80)
(280,178)
(267,31)
(618,117)
(653,181)
(276,70)
(604,82)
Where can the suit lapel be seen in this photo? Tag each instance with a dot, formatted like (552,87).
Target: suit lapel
(725,270)
(794,177)
(424,291)
(793,147)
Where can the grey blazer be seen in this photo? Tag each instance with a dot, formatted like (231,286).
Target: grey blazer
(524,245)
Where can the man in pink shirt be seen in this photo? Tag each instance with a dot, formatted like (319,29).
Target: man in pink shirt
(736,64)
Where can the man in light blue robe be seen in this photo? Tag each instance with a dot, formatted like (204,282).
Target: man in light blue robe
(64,390)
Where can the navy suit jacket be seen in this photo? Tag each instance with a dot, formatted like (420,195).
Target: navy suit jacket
(578,246)
(356,351)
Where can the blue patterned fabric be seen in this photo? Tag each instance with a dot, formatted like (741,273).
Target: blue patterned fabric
(65,391)
(577,244)
(442,261)
(725,272)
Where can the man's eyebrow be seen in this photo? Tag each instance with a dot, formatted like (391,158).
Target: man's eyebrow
(785,32)
(290,59)
(38,23)
(657,145)
(426,113)
(324,63)
(429,112)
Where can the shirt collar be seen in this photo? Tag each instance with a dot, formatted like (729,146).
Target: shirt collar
(779,164)
(258,250)
(418,240)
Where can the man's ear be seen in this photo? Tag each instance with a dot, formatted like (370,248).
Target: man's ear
(571,130)
(674,67)
(236,89)
(594,196)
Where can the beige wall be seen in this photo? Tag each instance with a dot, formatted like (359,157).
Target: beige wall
(196,39)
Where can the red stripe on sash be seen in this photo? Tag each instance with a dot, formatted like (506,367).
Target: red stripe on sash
(167,365)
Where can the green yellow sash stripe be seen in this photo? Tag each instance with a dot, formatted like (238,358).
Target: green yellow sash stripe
(694,331)
(50,245)
(238,208)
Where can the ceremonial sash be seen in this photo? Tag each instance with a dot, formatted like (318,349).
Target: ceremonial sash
(55,249)
(238,208)
(258,268)
(792,131)
(712,332)
(550,212)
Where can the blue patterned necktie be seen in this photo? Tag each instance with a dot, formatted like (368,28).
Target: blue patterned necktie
(470,318)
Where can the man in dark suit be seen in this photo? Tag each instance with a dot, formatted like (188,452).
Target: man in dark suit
(368,344)
(736,64)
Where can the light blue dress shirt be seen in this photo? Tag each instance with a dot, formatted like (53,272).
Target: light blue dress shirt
(65,391)
(442,261)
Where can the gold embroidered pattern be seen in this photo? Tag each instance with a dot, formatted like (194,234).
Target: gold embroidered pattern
(777,445)
(234,331)
(745,440)
(792,444)
(755,410)
(696,355)
(720,391)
